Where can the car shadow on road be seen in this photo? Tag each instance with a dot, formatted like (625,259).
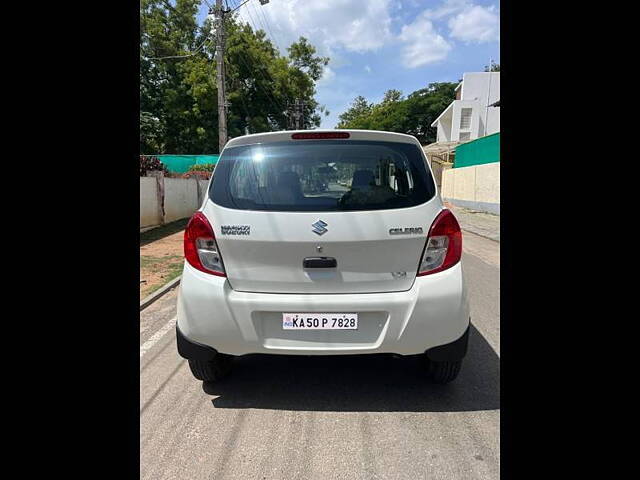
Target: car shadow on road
(359,383)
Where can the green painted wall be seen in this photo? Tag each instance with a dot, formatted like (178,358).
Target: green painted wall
(480,151)
(181,163)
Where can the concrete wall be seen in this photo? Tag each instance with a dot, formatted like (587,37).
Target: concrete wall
(438,168)
(182,197)
(476,187)
(149,211)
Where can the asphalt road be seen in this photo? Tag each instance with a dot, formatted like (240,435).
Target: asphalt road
(354,417)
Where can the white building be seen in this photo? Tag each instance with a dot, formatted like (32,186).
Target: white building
(472,114)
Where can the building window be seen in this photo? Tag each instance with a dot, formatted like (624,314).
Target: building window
(465,136)
(465,118)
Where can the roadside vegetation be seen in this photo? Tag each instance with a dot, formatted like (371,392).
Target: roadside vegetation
(161,255)
(178,94)
(157,271)
(412,115)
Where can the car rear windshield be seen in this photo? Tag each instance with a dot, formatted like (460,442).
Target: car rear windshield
(326,175)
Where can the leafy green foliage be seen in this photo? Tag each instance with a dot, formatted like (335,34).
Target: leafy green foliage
(203,167)
(359,108)
(495,67)
(412,115)
(178,96)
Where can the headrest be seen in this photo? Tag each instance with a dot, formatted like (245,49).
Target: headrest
(363,178)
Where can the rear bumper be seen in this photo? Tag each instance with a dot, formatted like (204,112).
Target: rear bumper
(192,350)
(433,313)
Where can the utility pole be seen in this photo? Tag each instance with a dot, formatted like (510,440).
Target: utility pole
(486,113)
(295,115)
(290,111)
(300,117)
(220,13)
(222,100)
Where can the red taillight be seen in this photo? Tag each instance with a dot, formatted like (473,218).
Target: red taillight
(319,135)
(200,247)
(444,245)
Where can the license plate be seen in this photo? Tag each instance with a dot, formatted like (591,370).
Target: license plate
(320,321)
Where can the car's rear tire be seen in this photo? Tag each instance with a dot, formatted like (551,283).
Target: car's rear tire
(211,370)
(443,372)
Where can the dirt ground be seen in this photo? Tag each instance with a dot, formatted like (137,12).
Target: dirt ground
(161,261)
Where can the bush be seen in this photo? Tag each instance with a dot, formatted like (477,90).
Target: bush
(149,163)
(198,174)
(203,167)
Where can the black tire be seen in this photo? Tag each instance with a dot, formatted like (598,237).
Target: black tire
(443,372)
(213,370)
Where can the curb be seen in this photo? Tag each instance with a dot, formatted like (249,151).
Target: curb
(159,293)
(479,234)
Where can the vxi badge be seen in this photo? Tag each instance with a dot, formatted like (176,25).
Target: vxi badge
(405,231)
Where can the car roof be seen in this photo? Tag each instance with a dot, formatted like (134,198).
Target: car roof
(285,135)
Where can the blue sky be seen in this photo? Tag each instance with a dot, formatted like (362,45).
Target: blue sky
(376,45)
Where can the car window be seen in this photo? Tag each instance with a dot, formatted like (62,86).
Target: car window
(322,176)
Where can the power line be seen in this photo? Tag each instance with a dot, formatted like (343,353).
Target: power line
(272,99)
(237,7)
(191,54)
(255,25)
(262,73)
(220,13)
(273,37)
(263,28)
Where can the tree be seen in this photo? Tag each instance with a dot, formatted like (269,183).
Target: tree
(178,96)
(412,115)
(391,96)
(150,133)
(495,67)
(360,108)
(425,105)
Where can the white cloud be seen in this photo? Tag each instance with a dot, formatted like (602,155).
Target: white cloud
(367,68)
(353,25)
(476,24)
(327,76)
(447,8)
(423,44)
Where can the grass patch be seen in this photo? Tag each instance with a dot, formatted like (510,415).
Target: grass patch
(158,271)
(148,262)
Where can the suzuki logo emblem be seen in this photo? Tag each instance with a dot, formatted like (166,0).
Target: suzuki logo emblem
(318,227)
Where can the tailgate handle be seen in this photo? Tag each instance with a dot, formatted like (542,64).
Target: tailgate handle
(319,262)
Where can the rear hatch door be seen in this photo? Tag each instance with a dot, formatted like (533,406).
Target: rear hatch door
(338,216)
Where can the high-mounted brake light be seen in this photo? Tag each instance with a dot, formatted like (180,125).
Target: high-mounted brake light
(200,247)
(444,245)
(319,135)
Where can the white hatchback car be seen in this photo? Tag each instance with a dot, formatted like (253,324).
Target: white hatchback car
(323,242)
